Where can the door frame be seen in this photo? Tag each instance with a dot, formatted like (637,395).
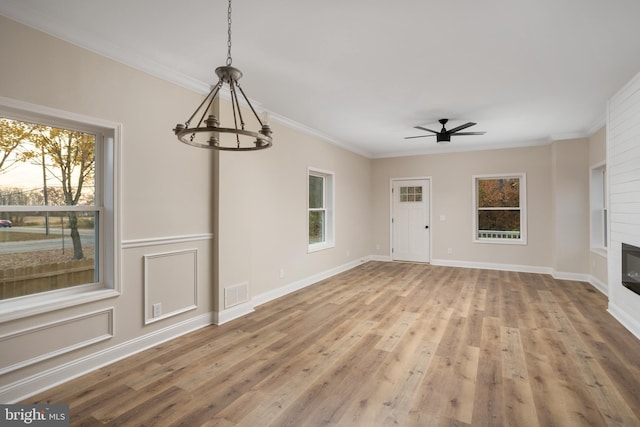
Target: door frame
(429,180)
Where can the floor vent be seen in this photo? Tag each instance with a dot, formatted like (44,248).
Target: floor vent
(236,294)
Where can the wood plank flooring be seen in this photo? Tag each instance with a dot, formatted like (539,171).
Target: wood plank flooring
(385,344)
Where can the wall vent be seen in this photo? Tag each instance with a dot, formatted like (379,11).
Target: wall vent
(236,294)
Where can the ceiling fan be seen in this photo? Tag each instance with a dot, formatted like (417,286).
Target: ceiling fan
(444,136)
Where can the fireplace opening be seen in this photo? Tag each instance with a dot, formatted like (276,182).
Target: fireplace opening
(631,267)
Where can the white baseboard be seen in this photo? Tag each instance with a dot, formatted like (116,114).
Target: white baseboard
(233,313)
(492,266)
(308,281)
(26,387)
(601,286)
(248,307)
(561,275)
(628,322)
(384,258)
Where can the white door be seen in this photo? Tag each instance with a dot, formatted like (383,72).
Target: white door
(410,220)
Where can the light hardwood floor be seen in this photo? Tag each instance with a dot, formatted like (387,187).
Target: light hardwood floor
(385,344)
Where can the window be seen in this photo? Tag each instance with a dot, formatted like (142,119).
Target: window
(597,201)
(58,195)
(320,210)
(411,194)
(499,209)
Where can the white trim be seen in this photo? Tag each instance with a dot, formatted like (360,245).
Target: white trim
(578,277)
(458,148)
(248,307)
(45,356)
(303,283)
(522,176)
(292,124)
(148,316)
(26,387)
(571,135)
(492,266)
(558,275)
(599,122)
(604,253)
(107,158)
(62,117)
(381,258)
(623,317)
(233,313)
(157,241)
(599,285)
(598,168)
(45,208)
(329,195)
(44,302)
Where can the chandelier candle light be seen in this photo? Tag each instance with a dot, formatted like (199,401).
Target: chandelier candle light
(207,133)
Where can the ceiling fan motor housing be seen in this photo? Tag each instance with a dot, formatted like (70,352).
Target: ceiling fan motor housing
(443,138)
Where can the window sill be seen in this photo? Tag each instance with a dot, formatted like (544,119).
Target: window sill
(502,241)
(320,247)
(31,305)
(600,251)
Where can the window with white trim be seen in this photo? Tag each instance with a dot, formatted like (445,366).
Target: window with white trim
(500,208)
(320,218)
(58,195)
(597,201)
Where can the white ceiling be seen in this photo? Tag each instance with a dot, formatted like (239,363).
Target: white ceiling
(363,73)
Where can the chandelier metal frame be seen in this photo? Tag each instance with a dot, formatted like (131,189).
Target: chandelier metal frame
(206,133)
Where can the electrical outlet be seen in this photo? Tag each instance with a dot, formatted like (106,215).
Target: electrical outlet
(157,310)
(449,250)
(282,273)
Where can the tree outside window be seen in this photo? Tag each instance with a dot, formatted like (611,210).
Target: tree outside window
(48,202)
(317,211)
(499,208)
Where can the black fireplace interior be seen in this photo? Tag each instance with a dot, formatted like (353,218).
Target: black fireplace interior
(631,267)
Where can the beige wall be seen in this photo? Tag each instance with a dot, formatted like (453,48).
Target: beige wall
(557,205)
(174,198)
(570,159)
(166,192)
(451,176)
(263,212)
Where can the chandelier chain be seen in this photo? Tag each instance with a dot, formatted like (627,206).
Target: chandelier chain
(229,34)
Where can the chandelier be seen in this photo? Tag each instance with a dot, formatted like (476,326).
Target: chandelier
(207,133)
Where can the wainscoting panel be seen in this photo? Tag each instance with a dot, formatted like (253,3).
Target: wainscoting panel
(42,342)
(170,284)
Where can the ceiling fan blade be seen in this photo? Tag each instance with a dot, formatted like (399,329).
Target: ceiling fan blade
(419,136)
(464,126)
(470,133)
(428,130)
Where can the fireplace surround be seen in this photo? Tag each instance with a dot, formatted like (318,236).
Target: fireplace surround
(631,267)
